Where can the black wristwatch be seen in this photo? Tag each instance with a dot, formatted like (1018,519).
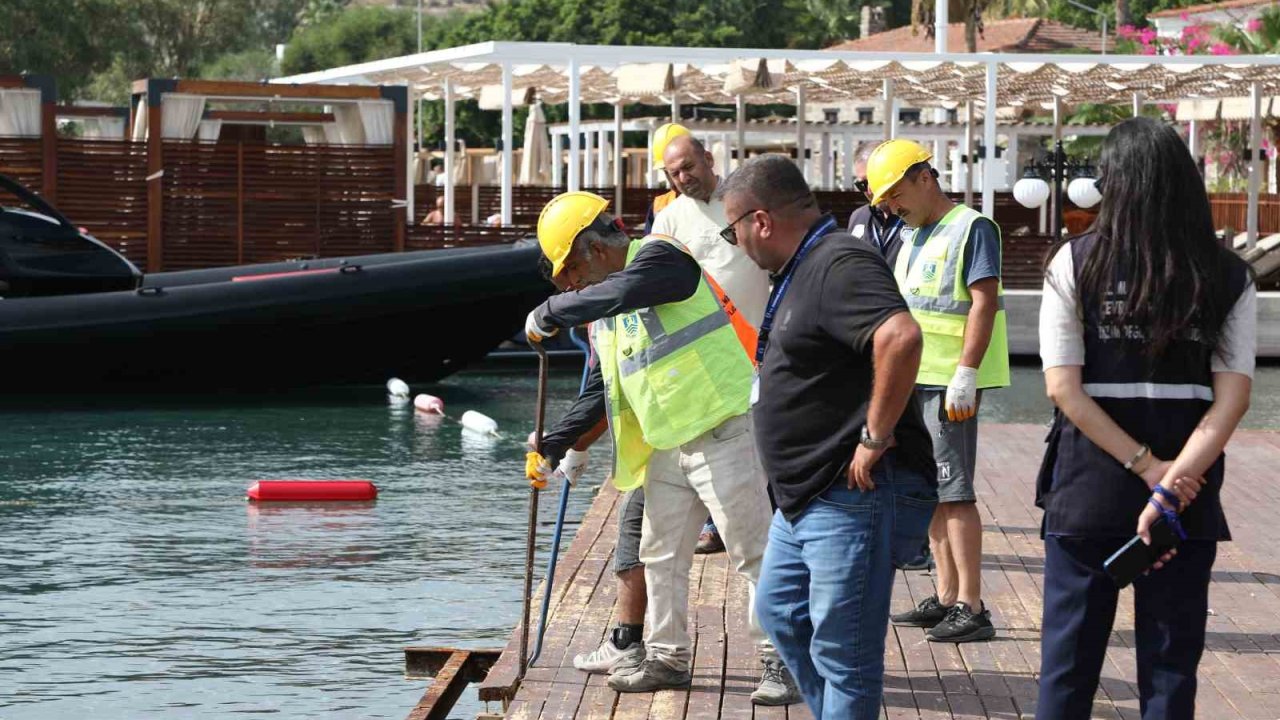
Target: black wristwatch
(870,443)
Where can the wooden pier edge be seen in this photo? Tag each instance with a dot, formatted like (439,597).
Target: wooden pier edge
(1239,673)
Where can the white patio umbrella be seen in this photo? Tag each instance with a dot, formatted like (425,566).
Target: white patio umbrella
(535,160)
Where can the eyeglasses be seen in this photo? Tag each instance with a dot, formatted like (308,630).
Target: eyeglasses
(730,234)
(861,185)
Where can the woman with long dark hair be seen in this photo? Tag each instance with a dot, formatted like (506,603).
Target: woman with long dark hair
(1148,336)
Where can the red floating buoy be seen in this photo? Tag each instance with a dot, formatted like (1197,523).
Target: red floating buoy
(312,491)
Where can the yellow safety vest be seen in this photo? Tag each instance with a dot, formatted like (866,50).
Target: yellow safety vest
(671,373)
(934,289)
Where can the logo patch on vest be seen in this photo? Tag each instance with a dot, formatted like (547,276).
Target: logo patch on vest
(929,271)
(631,325)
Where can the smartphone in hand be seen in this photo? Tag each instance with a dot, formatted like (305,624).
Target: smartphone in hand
(1136,557)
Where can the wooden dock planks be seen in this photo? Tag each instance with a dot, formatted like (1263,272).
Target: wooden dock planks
(1239,676)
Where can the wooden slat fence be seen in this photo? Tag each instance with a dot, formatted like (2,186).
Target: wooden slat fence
(1230,210)
(526,202)
(431,237)
(233,203)
(200,205)
(102,187)
(21,159)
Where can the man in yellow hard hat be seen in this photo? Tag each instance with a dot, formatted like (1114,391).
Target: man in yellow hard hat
(695,218)
(661,138)
(948,270)
(674,378)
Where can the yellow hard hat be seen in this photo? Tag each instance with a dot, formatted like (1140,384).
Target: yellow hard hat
(889,162)
(562,219)
(664,135)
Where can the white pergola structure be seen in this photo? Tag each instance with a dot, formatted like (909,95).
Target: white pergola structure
(576,74)
(835,139)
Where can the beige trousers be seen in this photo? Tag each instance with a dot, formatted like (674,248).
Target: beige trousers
(717,472)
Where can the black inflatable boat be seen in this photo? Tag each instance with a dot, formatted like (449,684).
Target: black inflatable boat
(77,316)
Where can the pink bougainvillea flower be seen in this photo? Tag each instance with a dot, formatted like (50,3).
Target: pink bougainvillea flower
(1221,49)
(1254,25)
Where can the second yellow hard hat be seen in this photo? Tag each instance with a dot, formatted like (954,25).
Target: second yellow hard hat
(664,135)
(889,163)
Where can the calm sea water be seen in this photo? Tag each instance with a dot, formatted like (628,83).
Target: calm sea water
(136,582)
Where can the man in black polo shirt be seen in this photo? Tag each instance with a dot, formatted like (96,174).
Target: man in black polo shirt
(839,433)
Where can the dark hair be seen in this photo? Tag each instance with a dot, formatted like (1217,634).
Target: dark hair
(914,171)
(773,180)
(1155,235)
(544,267)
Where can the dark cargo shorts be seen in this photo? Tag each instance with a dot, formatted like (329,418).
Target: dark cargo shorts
(626,553)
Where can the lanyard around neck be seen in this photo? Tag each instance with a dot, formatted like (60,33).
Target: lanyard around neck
(781,284)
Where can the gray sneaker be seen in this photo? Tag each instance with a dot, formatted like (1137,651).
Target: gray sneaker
(777,687)
(651,675)
(609,658)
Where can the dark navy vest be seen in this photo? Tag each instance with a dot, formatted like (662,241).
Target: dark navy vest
(1082,489)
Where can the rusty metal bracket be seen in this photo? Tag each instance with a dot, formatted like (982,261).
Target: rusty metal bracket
(451,670)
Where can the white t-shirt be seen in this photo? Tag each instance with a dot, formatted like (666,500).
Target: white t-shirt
(697,225)
(1062,329)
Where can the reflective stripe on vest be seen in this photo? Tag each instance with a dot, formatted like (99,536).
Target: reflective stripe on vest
(661,344)
(1150,391)
(672,372)
(933,287)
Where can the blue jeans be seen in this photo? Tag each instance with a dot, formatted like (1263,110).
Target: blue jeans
(824,588)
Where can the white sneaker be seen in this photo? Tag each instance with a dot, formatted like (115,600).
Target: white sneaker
(609,658)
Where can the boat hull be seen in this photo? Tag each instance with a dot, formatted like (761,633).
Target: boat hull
(419,316)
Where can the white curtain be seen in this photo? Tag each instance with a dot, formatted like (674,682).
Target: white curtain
(314,135)
(378,116)
(209,130)
(20,113)
(348,128)
(139,131)
(111,128)
(102,128)
(535,160)
(181,115)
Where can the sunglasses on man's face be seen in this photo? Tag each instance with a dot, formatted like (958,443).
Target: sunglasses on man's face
(861,185)
(730,233)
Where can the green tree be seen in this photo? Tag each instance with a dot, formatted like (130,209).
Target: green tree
(355,36)
(840,19)
(1259,36)
(249,65)
(177,38)
(62,38)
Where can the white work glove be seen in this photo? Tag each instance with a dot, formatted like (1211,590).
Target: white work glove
(535,332)
(573,466)
(962,394)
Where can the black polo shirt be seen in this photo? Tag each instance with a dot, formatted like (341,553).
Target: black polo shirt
(815,382)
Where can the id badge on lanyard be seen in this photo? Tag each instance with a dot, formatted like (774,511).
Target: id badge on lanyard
(775,299)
